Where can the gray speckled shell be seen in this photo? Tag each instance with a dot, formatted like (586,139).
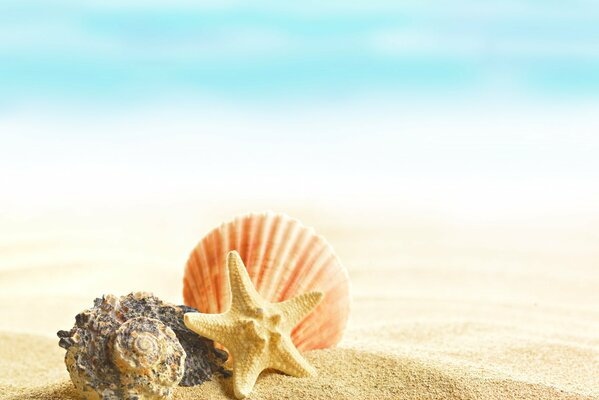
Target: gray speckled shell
(136,347)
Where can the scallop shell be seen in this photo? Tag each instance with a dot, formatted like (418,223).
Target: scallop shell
(136,347)
(283,258)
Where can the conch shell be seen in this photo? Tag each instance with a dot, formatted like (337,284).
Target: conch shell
(136,347)
(283,258)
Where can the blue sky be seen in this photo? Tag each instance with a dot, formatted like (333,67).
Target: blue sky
(133,51)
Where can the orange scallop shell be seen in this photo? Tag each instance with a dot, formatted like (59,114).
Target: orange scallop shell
(284,259)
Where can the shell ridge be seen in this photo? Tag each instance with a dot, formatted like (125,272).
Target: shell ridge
(220,242)
(291,235)
(208,285)
(298,254)
(249,225)
(303,264)
(319,275)
(263,262)
(190,270)
(252,265)
(271,260)
(297,283)
(201,278)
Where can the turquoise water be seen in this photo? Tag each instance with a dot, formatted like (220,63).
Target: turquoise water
(482,107)
(131,52)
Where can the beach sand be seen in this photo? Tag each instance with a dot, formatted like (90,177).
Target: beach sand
(441,309)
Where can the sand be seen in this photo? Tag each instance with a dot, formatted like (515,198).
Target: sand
(442,309)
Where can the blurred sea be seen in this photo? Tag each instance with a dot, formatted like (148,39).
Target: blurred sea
(476,108)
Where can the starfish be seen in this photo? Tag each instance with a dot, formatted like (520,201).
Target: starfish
(255,331)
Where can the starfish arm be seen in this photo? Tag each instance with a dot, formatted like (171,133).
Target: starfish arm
(286,358)
(247,367)
(213,326)
(296,308)
(243,294)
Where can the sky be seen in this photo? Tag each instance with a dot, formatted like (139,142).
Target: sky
(488,105)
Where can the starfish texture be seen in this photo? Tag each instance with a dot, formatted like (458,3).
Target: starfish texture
(255,331)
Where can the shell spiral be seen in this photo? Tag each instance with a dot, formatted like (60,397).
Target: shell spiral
(142,343)
(283,258)
(149,357)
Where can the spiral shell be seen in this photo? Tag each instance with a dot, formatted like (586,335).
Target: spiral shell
(136,347)
(149,357)
(283,258)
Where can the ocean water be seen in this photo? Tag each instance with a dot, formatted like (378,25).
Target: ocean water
(482,109)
